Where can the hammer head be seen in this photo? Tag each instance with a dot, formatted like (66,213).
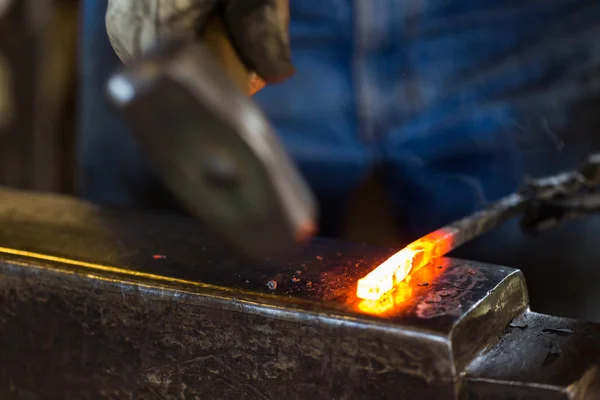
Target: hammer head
(214,149)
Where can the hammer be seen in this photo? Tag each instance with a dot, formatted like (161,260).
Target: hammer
(188,107)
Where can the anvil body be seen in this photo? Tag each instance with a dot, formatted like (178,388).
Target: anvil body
(98,303)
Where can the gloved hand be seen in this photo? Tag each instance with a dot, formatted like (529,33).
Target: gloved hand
(258,29)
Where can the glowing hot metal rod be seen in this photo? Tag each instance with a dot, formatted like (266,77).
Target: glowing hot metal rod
(394,270)
(436,244)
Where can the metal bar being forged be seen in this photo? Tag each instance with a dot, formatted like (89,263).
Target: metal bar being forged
(535,198)
(96,304)
(386,277)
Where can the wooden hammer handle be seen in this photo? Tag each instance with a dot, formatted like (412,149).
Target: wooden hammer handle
(216,38)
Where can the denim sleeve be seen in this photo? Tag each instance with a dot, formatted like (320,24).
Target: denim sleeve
(483,95)
(315,112)
(457,100)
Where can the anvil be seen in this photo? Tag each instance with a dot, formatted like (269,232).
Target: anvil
(100,303)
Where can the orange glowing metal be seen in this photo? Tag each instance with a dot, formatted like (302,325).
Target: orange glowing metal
(396,301)
(389,301)
(414,256)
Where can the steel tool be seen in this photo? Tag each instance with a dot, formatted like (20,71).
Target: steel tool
(543,203)
(212,146)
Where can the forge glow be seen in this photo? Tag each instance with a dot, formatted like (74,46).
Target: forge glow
(389,274)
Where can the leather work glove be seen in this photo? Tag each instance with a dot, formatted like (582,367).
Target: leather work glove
(258,29)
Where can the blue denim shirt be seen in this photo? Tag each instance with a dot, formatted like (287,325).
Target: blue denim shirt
(456,101)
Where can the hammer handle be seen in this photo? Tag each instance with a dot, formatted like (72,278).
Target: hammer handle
(217,40)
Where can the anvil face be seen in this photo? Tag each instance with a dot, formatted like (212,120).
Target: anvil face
(127,305)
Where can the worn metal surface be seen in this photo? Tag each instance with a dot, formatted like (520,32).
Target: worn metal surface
(539,357)
(104,304)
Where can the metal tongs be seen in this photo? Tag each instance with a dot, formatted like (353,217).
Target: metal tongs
(551,201)
(541,204)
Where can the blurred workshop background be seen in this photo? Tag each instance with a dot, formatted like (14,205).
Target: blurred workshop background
(53,69)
